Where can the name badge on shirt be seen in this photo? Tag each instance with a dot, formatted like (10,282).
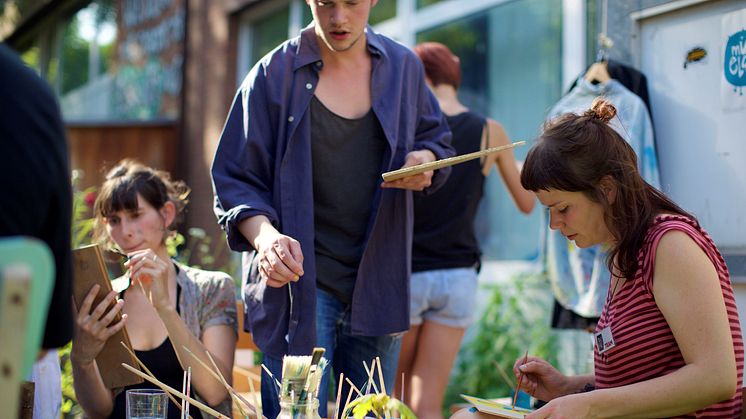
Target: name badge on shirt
(604,340)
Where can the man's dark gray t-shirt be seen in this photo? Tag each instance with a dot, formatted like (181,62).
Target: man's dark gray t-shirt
(347,156)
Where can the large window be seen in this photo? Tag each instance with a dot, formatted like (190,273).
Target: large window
(269,32)
(271,23)
(425,3)
(382,11)
(511,56)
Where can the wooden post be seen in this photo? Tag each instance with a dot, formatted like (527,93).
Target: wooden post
(15,286)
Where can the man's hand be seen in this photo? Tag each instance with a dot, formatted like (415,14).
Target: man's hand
(280,258)
(414,182)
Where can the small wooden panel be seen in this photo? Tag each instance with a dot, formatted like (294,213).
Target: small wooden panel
(27,400)
(245,340)
(14,295)
(89,269)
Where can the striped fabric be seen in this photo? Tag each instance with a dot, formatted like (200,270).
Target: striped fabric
(645,346)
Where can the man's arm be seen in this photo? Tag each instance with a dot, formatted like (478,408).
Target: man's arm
(242,169)
(432,132)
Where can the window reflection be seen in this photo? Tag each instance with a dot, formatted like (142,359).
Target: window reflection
(510,59)
(383,10)
(269,32)
(425,3)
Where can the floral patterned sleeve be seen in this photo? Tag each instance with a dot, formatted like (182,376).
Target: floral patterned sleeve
(218,303)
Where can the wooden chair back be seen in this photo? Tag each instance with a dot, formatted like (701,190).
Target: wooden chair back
(26,282)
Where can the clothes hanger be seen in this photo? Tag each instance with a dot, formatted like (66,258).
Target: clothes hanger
(598,72)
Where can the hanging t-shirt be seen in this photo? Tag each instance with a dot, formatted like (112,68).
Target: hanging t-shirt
(580,277)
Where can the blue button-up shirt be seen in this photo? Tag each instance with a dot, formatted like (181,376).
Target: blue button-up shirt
(262,166)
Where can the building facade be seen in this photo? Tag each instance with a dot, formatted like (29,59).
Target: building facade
(153,79)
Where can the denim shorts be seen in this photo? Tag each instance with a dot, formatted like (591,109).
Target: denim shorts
(444,296)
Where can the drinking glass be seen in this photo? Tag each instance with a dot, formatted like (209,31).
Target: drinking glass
(147,404)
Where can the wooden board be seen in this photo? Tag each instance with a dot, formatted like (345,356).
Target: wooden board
(89,269)
(496,409)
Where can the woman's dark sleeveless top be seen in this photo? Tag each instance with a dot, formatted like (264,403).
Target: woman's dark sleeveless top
(164,365)
(444,221)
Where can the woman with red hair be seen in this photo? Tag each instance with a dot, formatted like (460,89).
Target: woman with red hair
(445,253)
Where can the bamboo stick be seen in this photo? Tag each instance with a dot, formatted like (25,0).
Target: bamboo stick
(357,390)
(344,409)
(339,394)
(231,391)
(224,382)
(256,399)
(380,375)
(272,376)
(371,381)
(402,387)
(439,164)
(183,390)
(188,388)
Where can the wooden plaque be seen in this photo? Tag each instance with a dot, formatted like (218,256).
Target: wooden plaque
(89,269)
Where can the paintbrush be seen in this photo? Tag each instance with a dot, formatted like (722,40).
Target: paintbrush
(294,374)
(520,378)
(315,358)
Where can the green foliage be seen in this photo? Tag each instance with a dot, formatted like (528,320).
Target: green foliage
(379,404)
(70,407)
(200,251)
(74,57)
(516,320)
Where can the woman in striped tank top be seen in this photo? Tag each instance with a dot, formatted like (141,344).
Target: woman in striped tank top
(669,342)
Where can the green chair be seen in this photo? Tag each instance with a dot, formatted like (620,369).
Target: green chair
(26,283)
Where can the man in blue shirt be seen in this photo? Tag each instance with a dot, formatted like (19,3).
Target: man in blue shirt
(297,185)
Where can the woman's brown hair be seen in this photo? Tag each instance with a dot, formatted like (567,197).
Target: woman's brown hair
(122,185)
(441,65)
(574,153)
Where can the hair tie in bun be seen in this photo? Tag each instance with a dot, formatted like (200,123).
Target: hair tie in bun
(601,109)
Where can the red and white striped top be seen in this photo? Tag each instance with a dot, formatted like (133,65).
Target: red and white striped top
(645,346)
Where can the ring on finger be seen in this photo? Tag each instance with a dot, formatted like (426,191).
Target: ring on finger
(155,258)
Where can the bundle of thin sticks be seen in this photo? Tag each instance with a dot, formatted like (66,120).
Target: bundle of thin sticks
(371,383)
(184,395)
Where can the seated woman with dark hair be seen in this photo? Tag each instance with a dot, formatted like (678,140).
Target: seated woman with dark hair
(167,307)
(668,343)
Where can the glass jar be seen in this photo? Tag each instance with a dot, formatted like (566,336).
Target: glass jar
(292,409)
